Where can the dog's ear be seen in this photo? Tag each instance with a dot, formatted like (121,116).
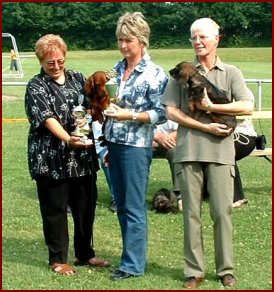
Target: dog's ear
(97,115)
(192,70)
(180,72)
(89,86)
(187,70)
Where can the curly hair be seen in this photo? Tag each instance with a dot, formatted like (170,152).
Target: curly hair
(48,44)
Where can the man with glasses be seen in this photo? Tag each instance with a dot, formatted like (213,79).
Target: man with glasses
(205,155)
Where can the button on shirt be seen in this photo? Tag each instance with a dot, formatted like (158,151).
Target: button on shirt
(141,93)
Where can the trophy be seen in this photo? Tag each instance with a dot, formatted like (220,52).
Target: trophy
(111,87)
(80,114)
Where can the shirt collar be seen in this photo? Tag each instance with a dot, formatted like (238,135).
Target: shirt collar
(218,64)
(48,78)
(121,65)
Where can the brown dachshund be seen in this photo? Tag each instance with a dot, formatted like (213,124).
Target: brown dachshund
(99,98)
(187,73)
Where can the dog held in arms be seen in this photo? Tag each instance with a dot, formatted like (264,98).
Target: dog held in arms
(95,89)
(187,73)
(164,201)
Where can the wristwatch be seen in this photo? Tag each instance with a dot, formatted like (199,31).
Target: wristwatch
(134,116)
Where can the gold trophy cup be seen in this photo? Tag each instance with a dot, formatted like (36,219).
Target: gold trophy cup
(111,88)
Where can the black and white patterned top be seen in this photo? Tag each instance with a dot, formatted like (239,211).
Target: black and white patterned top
(47,154)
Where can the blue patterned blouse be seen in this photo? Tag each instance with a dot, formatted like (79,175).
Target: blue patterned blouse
(48,155)
(141,93)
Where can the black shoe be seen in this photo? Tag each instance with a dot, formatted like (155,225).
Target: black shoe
(120,275)
(112,207)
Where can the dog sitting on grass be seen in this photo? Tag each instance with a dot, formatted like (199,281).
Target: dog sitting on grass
(164,201)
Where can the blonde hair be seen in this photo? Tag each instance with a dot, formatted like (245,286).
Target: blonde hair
(48,44)
(205,23)
(133,24)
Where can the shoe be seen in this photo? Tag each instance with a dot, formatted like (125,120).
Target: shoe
(120,275)
(93,262)
(228,280)
(193,282)
(62,269)
(239,203)
(112,207)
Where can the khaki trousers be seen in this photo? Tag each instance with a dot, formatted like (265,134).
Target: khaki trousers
(218,179)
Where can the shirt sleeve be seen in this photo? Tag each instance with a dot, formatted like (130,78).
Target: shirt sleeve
(37,106)
(171,95)
(158,113)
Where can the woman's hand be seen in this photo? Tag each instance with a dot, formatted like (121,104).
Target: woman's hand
(219,129)
(205,103)
(77,142)
(166,140)
(118,113)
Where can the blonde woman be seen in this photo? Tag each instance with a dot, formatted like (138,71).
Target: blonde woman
(129,132)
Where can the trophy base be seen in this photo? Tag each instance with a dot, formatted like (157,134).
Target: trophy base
(83,137)
(87,141)
(77,134)
(110,111)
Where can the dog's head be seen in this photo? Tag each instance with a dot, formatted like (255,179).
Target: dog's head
(95,89)
(164,201)
(183,71)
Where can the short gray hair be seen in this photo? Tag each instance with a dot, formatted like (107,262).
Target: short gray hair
(133,24)
(205,23)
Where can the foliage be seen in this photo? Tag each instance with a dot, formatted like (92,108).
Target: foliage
(91,25)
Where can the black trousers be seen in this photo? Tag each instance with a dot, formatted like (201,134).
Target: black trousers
(243,147)
(54,197)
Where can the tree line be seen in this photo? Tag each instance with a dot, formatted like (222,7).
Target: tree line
(91,25)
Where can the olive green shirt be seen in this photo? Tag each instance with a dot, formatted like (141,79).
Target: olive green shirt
(196,145)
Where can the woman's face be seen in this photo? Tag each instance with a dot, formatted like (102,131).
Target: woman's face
(54,64)
(204,42)
(130,47)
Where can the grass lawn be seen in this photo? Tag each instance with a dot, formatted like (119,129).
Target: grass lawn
(24,254)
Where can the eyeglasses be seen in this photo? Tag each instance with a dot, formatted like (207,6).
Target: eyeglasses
(201,38)
(60,62)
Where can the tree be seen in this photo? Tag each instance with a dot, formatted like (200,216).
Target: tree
(92,25)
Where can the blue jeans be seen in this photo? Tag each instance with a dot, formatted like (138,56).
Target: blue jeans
(129,170)
(106,170)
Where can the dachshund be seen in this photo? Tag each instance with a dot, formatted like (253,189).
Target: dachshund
(187,73)
(99,98)
(164,201)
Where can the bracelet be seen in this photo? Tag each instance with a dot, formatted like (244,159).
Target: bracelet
(134,116)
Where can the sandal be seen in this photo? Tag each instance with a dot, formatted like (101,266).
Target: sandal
(93,262)
(62,269)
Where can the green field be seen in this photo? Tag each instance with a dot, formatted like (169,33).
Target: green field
(24,254)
